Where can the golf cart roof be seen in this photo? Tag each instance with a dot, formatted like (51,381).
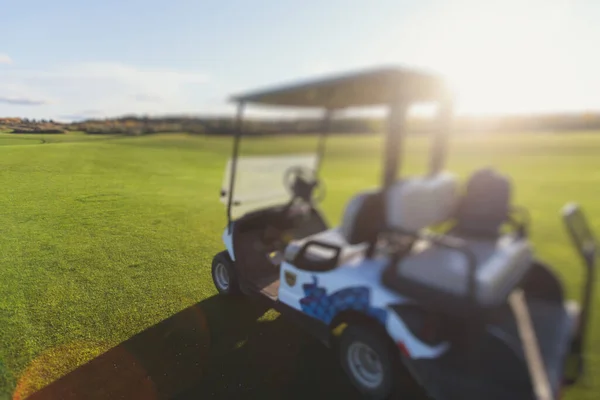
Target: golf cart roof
(363,88)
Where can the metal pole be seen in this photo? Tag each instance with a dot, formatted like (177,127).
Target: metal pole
(393,142)
(236,145)
(322,139)
(440,138)
(533,356)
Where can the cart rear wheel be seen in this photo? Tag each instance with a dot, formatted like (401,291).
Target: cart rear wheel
(367,360)
(223,274)
(543,283)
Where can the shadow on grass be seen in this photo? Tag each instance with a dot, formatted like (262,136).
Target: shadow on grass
(217,348)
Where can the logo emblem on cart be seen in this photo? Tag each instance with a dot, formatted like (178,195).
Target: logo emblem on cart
(290,278)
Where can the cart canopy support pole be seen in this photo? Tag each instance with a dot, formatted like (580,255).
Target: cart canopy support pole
(236,146)
(393,142)
(440,138)
(326,127)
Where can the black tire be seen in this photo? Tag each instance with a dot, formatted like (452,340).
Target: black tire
(380,345)
(543,283)
(223,264)
(574,369)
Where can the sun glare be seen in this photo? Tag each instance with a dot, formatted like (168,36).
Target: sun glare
(511,58)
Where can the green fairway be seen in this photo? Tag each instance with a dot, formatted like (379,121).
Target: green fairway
(102,237)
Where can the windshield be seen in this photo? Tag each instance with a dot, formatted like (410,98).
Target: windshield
(259,181)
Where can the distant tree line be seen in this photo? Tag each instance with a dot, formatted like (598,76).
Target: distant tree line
(33,121)
(26,125)
(143,125)
(222,126)
(227,125)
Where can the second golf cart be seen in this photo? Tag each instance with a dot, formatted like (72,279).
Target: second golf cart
(468,312)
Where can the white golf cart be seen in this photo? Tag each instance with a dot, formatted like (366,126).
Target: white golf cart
(468,313)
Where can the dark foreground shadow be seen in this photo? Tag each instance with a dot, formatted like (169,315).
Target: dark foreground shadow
(215,349)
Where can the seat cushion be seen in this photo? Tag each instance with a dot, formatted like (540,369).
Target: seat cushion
(332,237)
(435,272)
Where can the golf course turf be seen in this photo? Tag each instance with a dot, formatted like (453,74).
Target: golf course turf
(104,237)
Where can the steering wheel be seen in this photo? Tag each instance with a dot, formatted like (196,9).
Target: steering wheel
(302,182)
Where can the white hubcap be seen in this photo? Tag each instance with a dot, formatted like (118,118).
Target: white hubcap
(221,276)
(365,365)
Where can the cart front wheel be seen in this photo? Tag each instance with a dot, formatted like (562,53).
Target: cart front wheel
(366,359)
(223,274)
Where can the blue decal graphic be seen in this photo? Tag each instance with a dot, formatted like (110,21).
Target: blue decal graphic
(318,304)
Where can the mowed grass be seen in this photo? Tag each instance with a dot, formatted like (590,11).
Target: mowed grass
(103,237)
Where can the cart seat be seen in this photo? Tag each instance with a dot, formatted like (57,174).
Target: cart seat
(362,220)
(485,205)
(417,203)
(436,273)
(440,276)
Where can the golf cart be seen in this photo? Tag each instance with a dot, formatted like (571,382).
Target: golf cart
(422,278)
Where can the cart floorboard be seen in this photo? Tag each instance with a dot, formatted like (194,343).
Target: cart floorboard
(266,286)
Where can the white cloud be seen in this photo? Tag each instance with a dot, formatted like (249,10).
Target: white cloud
(5,59)
(108,88)
(158,81)
(21,101)
(16,94)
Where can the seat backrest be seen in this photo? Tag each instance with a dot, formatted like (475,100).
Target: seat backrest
(420,202)
(411,205)
(485,206)
(363,218)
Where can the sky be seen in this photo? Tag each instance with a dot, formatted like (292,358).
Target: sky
(71,59)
